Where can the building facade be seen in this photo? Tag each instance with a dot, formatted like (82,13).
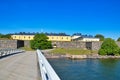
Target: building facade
(89,39)
(58,37)
(84,38)
(50,37)
(22,37)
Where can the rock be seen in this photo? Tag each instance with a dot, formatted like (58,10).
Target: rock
(78,56)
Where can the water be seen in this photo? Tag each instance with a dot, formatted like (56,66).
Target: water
(87,69)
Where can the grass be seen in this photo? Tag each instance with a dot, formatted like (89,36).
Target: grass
(72,51)
(26,49)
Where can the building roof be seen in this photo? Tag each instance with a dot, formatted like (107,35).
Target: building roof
(57,34)
(87,36)
(48,34)
(54,34)
(77,34)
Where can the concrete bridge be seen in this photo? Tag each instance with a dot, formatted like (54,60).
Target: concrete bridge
(20,65)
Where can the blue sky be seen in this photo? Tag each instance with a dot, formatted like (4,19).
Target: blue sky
(69,16)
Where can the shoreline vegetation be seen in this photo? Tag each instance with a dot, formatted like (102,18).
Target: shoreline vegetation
(75,54)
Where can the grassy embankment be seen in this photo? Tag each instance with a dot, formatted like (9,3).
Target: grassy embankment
(26,49)
(72,51)
(63,51)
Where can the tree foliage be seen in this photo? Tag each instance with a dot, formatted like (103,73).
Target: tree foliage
(118,39)
(100,36)
(109,47)
(40,41)
(5,36)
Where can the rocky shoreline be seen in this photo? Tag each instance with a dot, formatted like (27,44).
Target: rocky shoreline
(95,56)
(92,56)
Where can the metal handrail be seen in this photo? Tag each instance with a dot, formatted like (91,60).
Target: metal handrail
(47,72)
(8,51)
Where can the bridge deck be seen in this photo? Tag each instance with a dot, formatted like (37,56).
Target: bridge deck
(22,66)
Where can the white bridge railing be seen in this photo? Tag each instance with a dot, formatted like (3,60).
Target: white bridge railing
(8,51)
(47,72)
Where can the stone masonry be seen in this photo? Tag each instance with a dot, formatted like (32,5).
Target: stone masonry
(81,45)
(96,45)
(8,44)
(72,44)
(27,43)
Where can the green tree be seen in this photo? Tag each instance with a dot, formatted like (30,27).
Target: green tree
(5,36)
(0,35)
(109,47)
(40,41)
(100,36)
(118,39)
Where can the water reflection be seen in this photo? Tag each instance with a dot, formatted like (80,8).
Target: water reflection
(92,69)
(111,63)
(109,68)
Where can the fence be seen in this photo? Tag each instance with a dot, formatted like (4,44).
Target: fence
(47,72)
(8,51)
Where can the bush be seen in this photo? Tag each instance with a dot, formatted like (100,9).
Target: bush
(40,41)
(109,47)
(118,39)
(102,52)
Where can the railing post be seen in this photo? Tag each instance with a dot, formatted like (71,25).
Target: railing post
(4,52)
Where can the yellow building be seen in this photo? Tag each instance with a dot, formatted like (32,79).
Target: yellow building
(50,37)
(59,38)
(22,37)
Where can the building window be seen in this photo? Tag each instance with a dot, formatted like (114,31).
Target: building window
(24,36)
(29,37)
(15,36)
(67,38)
(52,37)
(62,37)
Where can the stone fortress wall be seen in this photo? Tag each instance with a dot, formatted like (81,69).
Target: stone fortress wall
(10,43)
(80,45)
(60,44)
